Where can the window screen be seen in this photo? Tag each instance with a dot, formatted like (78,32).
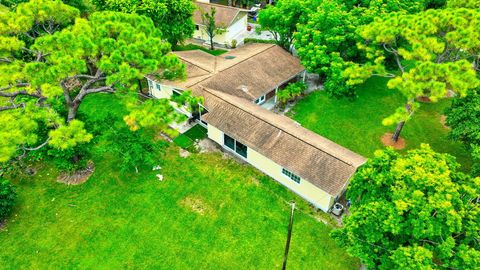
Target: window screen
(291,175)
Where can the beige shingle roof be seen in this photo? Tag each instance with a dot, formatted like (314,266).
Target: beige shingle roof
(320,161)
(249,71)
(224,16)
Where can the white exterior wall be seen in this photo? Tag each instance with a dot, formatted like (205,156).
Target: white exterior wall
(234,31)
(237,28)
(165,91)
(305,189)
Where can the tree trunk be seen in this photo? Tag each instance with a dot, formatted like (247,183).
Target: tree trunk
(398,130)
(72,111)
(211,44)
(139,81)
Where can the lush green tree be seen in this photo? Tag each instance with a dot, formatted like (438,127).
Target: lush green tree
(172,17)
(281,20)
(463,3)
(326,38)
(210,26)
(85,6)
(44,81)
(413,212)
(463,117)
(7,198)
(433,51)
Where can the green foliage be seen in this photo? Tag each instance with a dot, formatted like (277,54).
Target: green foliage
(172,17)
(433,51)
(136,149)
(282,20)
(463,117)
(291,92)
(46,74)
(326,37)
(413,210)
(463,3)
(7,198)
(210,26)
(69,136)
(255,40)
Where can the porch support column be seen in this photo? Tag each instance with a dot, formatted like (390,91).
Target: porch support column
(276,90)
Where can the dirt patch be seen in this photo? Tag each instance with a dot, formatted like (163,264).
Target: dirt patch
(3,224)
(443,121)
(78,177)
(184,153)
(254,181)
(196,205)
(206,146)
(424,99)
(387,141)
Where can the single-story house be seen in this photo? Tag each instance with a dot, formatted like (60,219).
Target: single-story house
(232,20)
(236,88)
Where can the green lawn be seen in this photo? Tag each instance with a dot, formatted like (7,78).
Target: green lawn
(190,47)
(187,139)
(209,212)
(357,124)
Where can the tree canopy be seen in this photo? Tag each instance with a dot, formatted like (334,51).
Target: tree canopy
(413,212)
(463,117)
(44,79)
(172,17)
(433,52)
(282,20)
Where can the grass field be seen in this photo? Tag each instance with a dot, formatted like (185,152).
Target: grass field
(357,124)
(209,212)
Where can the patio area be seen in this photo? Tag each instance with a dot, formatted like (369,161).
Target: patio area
(269,104)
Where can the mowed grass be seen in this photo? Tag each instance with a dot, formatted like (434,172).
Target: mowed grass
(209,212)
(357,124)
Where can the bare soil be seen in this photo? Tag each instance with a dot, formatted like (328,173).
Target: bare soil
(443,121)
(424,99)
(78,177)
(387,141)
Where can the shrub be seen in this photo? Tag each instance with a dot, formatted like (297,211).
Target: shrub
(234,43)
(256,40)
(291,92)
(7,198)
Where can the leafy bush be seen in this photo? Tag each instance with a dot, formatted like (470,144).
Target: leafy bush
(234,43)
(256,40)
(291,92)
(7,198)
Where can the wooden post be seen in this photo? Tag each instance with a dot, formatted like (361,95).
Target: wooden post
(289,236)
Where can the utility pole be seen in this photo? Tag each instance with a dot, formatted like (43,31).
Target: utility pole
(290,227)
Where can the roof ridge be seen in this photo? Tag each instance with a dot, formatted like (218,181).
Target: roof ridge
(247,58)
(216,93)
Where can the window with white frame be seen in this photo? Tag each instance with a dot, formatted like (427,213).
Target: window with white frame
(260,100)
(149,84)
(159,88)
(233,144)
(291,175)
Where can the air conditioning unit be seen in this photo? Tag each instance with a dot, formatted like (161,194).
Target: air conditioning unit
(337,209)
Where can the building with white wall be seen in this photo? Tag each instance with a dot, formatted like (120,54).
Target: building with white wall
(232,20)
(235,88)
